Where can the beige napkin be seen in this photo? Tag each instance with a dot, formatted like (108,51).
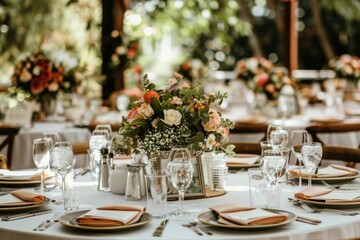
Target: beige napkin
(23,175)
(109,216)
(242,159)
(332,170)
(21,198)
(244,215)
(329,196)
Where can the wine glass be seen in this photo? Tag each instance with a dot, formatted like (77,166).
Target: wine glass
(270,128)
(105,127)
(279,138)
(311,153)
(180,173)
(41,157)
(122,102)
(273,167)
(298,137)
(62,161)
(54,138)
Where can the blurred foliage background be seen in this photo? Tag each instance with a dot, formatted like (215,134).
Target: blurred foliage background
(215,33)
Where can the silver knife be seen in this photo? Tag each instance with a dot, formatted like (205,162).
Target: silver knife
(159,230)
(25,215)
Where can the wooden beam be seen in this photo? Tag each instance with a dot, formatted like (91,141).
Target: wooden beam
(291,35)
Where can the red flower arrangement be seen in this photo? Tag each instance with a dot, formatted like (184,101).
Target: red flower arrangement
(38,77)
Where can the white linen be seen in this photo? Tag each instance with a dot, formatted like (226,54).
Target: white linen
(332,227)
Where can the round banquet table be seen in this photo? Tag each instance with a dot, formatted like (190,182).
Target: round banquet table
(332,227)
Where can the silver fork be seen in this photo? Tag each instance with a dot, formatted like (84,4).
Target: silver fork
(319,210)
(45,224)
(193,222)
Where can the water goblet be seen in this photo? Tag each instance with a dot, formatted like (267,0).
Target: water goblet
(279,138)
(298,137)
(273,167)
(54,138)
(62,161)
(105,127)
(41,157)
(311,153)
(180,173)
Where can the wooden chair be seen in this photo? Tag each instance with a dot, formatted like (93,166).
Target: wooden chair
(331,128)
(9,131)
(348,155)
(334,128)
(250,128)
(80,148)
(250,148)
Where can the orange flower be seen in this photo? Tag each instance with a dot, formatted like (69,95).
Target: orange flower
(150,94)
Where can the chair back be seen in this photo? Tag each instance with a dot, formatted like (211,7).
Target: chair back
(250,128)
(9,131)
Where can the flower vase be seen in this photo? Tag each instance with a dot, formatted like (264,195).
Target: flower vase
(48,107)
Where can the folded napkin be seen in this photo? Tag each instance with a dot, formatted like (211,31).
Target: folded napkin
(109,216)
(332,170)
(251,119)
(23,175)
(243,159)
(244,215)
(329,196)
(21,198)
(327,119)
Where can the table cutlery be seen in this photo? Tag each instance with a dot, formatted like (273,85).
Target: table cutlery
(25,215)
(159,230)
(308,220)
(194,223)
(319,210)
(43,225)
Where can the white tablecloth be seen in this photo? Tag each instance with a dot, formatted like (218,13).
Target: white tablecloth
(332,227)
(22,149)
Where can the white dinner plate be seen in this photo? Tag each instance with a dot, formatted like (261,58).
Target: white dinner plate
(210,218)
(243,165)
(27,207)
(69,220)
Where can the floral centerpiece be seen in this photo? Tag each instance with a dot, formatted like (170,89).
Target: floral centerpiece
(176,115)
(261,76)
(346,67)
(38,77)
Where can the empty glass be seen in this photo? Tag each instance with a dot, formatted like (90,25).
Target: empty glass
(122,102)
(54,138)
(311,155)
(180,173)
(41,156)
(298,137)
(62,161)
(105,127)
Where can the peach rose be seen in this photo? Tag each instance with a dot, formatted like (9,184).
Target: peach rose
(214,121)
(133,114)
(146,110)
(150,94)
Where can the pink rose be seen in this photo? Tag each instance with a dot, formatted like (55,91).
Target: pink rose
(146,110)
(133,114)
(214,121)
(261,79)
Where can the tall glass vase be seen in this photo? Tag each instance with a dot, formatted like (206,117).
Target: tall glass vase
(48,107)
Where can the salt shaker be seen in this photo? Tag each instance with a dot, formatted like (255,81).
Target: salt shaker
(133,190)
(104,171)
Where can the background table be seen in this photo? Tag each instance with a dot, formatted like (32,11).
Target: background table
(332,227)
(22,149)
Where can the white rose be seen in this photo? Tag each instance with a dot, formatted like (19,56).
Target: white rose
(36,71)
(172,117)
(146,110)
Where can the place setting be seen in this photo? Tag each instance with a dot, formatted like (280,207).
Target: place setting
(19,200)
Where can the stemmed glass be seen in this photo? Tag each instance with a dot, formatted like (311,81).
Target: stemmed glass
(105,127)
(62,161)
(180,173)
(311,155)
(273,167)
(41,157)
(298,137)
(279,138)
(54,138)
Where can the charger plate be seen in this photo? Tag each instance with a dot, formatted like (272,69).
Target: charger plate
(331,205)
(69,220)
(329,179)
(210,218)
(27,207)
